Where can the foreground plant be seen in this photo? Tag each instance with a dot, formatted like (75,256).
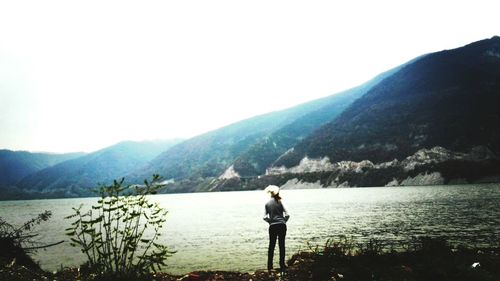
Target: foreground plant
(113,233)
(16,242)
(420,258)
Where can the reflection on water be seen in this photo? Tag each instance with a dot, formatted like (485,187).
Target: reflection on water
(225,230)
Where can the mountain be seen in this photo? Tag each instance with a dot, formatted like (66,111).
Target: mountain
(432,120)
(209,154)
(262,154)
(449,99)
(77,176)
(443,103)
(15,165)
(446,100)
(250,146)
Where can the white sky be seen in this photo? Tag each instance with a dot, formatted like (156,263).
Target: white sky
(82,75)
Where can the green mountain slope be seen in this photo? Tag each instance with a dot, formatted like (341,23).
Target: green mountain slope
(15,165)
(208,155)
(449,99)
(262,154)
(75,177)
(432,120)
(252,144)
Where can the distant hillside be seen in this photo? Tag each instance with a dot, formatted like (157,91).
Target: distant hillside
(208,155)
(449,99)
(75,177)
(445,101)
(262,154)
(433,120)
(15,165)
(250,146)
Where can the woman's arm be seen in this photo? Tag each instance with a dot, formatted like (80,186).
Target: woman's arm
(286,215)
(266,214)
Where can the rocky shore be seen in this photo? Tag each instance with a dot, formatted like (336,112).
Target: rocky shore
(435,166)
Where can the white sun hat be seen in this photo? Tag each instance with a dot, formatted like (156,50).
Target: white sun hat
(272,190)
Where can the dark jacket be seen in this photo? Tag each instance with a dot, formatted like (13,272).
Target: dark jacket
(275,212)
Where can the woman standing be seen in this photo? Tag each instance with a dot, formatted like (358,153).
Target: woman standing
(277,216)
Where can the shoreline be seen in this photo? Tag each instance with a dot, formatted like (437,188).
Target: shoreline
(305,186)
(341,259)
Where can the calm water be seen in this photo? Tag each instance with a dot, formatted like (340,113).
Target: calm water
(225,230)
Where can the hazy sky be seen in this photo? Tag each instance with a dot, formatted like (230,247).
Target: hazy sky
(82,75)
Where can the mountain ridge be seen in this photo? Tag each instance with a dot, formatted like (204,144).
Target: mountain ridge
(249,164)
(443,89)
(431,120)
(14,165)
(76,177)
(213,152)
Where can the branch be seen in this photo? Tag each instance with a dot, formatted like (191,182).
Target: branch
(44,246)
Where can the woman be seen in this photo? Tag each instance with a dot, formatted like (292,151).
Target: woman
(277,216)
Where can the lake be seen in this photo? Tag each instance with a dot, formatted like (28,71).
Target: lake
(225,231)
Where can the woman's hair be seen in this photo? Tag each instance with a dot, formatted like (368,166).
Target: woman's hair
(274,191)
(276,196)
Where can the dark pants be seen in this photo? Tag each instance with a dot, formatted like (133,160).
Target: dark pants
(276,231)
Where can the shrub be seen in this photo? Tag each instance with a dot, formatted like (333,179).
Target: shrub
(112,233)
(17,242)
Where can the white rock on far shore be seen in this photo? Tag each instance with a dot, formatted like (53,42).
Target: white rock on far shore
(434,178)
(298,184)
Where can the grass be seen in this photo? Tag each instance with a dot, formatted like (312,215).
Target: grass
(422,259)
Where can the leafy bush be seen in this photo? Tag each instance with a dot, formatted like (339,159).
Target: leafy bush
(23,236)
(112,233)
(17,242)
